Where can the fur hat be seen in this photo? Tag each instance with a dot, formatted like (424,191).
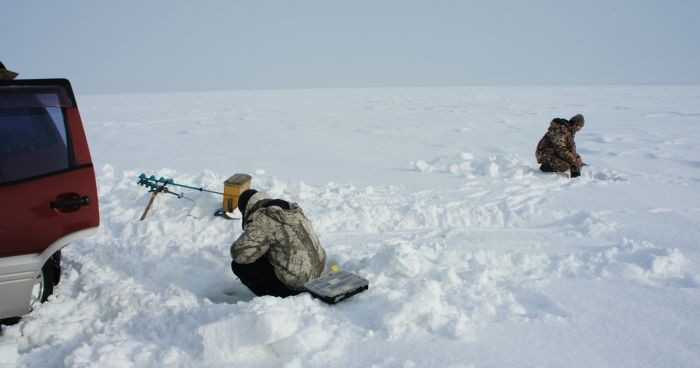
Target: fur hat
(577,120)
(6,74)
(558,122)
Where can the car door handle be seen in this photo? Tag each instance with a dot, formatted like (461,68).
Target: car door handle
(70,203)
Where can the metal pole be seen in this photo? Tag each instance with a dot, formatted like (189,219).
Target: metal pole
(199,189)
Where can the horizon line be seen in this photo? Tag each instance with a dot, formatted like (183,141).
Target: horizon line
(236,89)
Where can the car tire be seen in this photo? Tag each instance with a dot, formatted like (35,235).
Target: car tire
(56,262)
(46,280)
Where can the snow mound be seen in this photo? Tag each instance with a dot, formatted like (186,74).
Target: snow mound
(646,262)
(467,166)
(510,166)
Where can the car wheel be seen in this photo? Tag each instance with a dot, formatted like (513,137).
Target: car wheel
(45,281)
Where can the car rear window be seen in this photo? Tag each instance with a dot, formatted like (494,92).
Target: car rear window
(33,136)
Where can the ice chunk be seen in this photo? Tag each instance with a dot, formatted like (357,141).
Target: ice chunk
(223,339)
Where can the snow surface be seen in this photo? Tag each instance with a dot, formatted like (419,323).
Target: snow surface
(474,257)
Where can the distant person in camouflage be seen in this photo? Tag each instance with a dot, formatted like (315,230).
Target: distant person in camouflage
(556,151)
(278,251)
(6,74)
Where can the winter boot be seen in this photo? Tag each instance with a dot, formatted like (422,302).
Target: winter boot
(575,172)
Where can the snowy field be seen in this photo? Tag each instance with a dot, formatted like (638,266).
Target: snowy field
(474,257)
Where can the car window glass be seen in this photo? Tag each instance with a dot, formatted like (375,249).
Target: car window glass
(56,114)
(33,142)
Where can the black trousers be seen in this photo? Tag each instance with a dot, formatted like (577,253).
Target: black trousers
(260,278)
(575,171)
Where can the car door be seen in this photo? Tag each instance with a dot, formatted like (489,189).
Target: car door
(47,181)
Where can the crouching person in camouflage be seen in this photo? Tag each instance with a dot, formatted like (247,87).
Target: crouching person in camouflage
(278,251)
(556,151)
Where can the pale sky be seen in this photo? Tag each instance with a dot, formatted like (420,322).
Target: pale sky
(159,45)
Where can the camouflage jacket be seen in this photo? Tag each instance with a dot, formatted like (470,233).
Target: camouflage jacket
(557,145)
(285,237)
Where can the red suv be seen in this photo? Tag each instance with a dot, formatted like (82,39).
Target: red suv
(48,195)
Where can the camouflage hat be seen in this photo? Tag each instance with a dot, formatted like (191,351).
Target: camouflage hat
(6,74)
(577,120)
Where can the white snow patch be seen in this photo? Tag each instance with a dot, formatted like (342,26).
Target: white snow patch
(8,354)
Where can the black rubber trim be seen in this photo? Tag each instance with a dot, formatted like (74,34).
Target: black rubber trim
(42,176)
(72,160)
